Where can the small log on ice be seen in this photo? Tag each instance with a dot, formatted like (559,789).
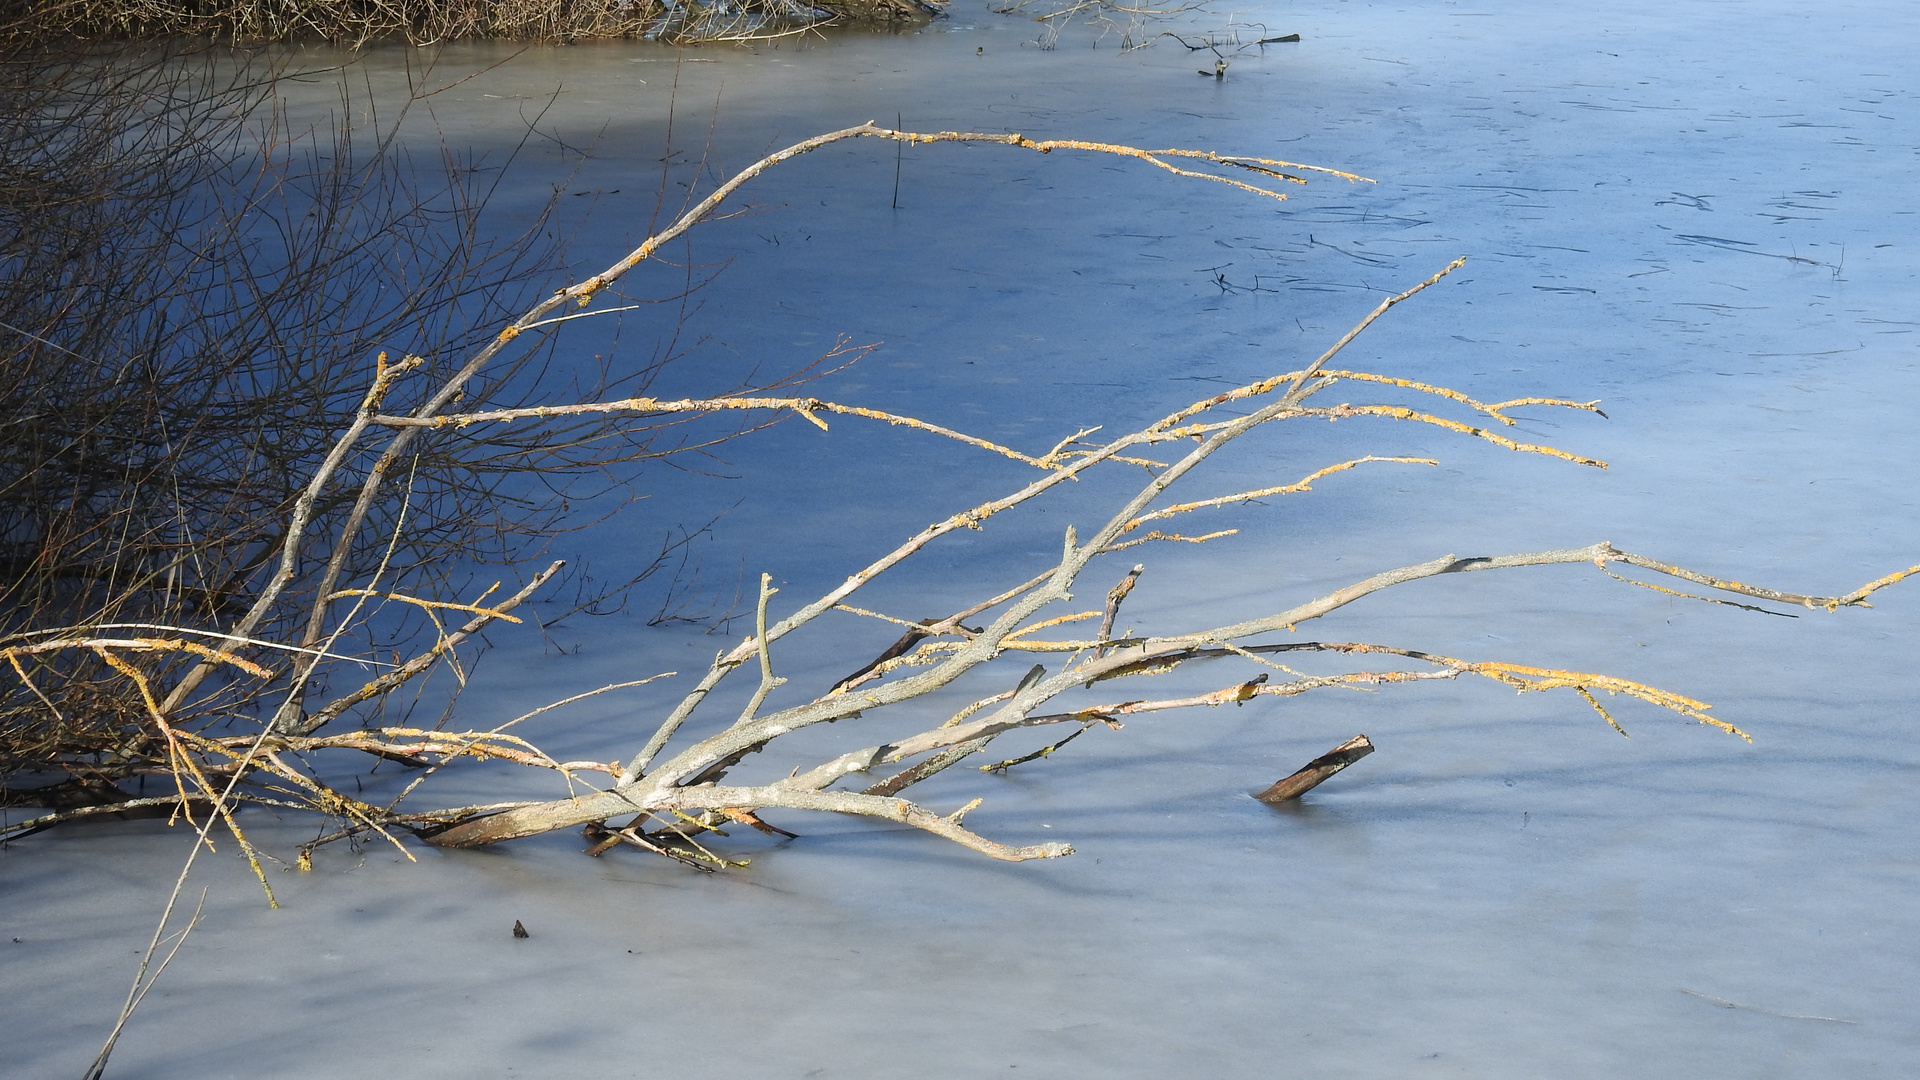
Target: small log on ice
(1318,770)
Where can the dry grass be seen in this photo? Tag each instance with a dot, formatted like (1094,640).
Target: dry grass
(357,22)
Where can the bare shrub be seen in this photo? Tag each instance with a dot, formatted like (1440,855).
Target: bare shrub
(192,287)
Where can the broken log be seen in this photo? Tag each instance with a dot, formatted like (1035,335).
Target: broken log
(1318,770)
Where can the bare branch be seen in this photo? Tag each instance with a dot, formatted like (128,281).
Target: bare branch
(425,660)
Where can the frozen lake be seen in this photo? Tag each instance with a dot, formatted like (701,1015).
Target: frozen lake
(1698,213)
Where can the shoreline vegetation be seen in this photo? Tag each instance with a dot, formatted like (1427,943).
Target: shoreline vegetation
(356,23)
(359,23)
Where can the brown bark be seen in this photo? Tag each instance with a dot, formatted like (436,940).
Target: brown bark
(1318,770)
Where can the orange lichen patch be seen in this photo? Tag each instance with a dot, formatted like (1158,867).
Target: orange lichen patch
(432,605)
(1495,410)
(1859,594)
(1401,412)
(1158,535)
(141,644)
(1060,620)
(1527,679)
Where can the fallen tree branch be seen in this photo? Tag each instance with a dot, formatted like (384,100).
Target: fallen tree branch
(700,766)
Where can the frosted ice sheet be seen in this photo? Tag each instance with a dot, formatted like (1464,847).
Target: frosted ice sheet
(1695,211)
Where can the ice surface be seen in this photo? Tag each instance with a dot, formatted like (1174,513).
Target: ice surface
(1698,212)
